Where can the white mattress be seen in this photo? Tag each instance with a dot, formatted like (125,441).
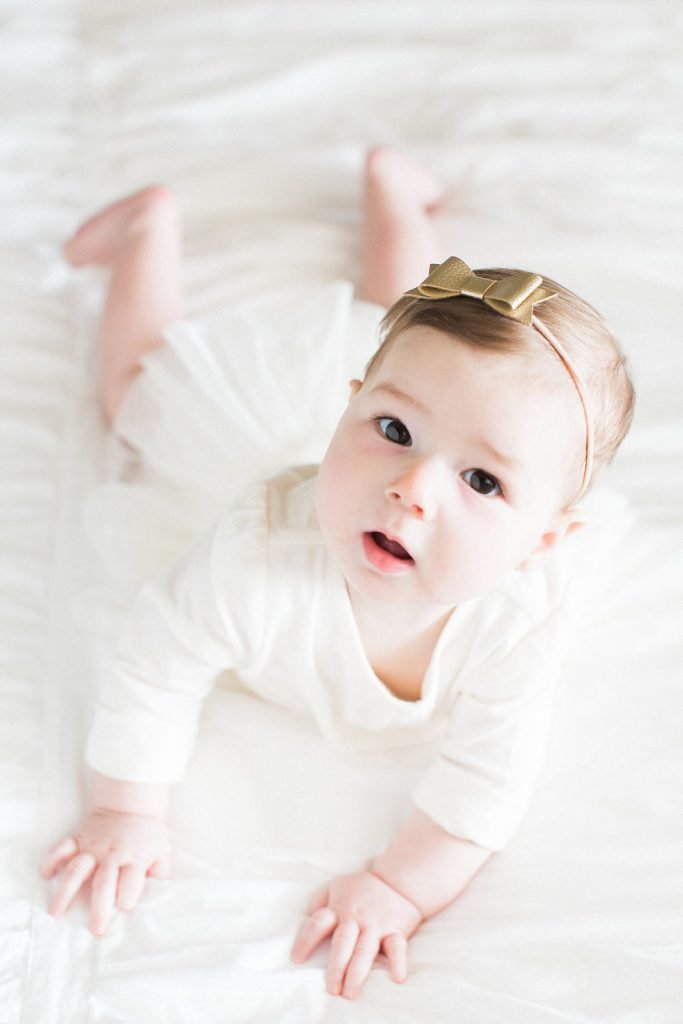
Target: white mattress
(557,128)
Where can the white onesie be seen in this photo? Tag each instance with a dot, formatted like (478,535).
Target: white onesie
(260,596)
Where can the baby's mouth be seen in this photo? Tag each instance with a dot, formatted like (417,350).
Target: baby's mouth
(392,546)
(386,555)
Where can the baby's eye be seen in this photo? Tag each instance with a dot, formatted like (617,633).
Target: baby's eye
(482,482)
(394,430)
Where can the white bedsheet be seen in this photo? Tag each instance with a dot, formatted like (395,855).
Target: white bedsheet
(558,130)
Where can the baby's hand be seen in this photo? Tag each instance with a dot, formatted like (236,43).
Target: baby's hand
(117,851)
(364,915)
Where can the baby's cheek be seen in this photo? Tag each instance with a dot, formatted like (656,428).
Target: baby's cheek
(481,565)
(333,497)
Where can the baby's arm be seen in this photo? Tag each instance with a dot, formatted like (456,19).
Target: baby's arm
(421,872)
(120,842)
(184,628)
(481,785)
(428,865)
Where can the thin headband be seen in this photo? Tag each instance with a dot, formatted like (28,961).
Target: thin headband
(514,297)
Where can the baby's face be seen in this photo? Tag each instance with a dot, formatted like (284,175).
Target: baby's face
(447,470)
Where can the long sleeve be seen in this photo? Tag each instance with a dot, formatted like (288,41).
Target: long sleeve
(201,617)
(481,784)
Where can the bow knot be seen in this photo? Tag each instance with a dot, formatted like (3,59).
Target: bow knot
(514,296)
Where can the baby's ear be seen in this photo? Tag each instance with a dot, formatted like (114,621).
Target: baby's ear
(354,388)
(564,525)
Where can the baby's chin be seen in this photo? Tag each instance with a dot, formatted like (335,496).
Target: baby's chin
(451,596)
(400,592)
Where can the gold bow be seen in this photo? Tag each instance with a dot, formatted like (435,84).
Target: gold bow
(514,296)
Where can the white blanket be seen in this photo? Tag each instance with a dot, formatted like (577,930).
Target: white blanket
(557,128)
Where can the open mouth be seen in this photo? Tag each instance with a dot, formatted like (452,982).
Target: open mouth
(392,546)
(385,554)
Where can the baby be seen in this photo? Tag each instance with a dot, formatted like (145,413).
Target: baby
(490,406)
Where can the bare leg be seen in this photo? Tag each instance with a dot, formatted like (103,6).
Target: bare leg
(139,240)
(399,237)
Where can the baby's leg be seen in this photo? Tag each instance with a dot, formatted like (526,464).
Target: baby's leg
(399,238)
(139,240)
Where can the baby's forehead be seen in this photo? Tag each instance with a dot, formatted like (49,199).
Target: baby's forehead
(440,373)
(421,344)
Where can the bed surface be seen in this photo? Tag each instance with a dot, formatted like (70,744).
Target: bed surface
(557,128)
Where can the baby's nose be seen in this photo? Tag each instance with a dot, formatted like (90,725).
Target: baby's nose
(415,490)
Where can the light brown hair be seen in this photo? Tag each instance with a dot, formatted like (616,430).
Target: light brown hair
(583,332)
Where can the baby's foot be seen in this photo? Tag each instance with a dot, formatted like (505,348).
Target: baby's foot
(98,238)
(398,176)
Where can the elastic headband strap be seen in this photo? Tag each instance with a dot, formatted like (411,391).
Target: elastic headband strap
(569,366)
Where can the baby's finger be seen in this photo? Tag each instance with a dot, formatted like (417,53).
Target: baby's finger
(317,928)
(319,899)
(395,947)
(132,880)
(343,944)
(76,874)
(363,958)
(103,895)
(57,856)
